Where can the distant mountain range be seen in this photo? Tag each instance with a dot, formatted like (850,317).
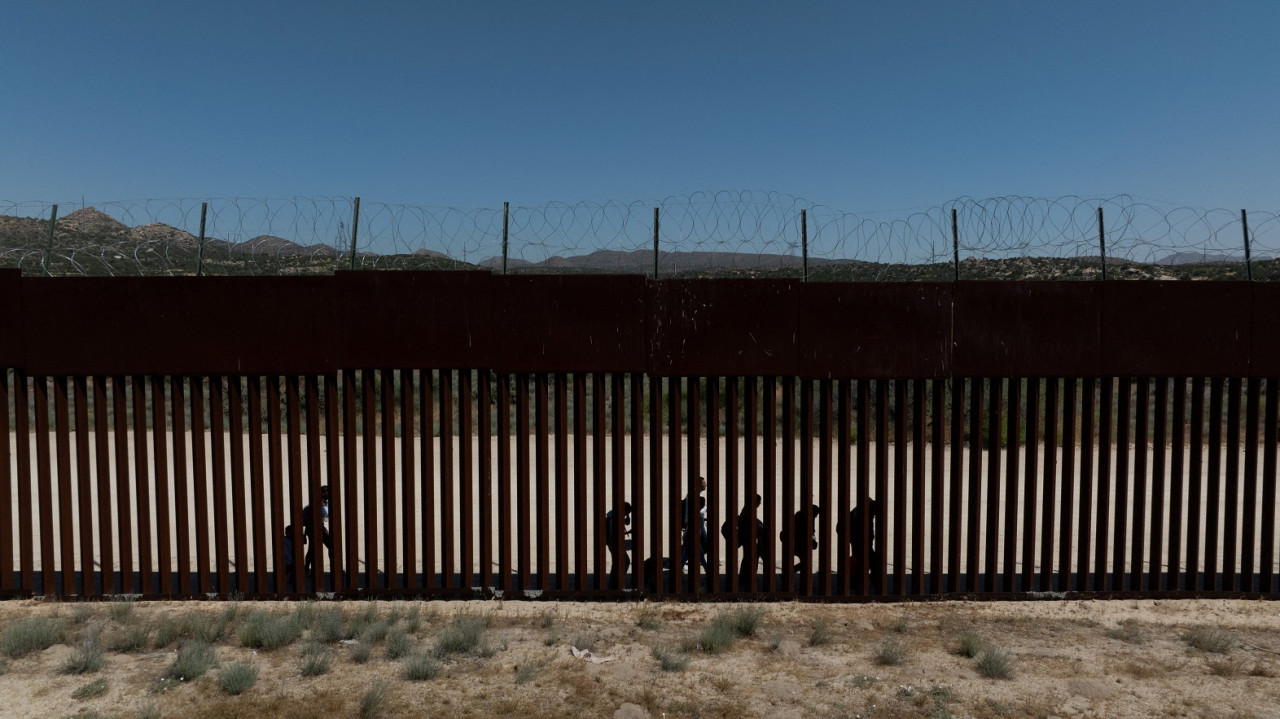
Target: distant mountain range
(641,261)
(90,242)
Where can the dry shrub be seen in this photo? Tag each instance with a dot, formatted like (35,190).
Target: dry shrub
(1210,639)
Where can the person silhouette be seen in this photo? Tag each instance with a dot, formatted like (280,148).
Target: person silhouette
(613,529)
(312,515)
(858,519)
(792,544)
(751,554)
(687,521)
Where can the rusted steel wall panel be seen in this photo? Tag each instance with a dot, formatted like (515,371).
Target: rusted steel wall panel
(569,323)
(853,330)
(1041,329)
(164,325)
(316,325)
(1169,328)
(1264,351)
(412,319)
(12,353)
(723,327)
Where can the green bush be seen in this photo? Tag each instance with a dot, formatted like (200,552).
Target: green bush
(316,660)
(1210,639)
(526,672)
(95,688)
(377,631)
(413,619)
(461,636)
(649,619)
(970,644)
(204,627)
(398,644)
(237,678)
(32,634)
(132,638)
(121,610)
(995,663)
(1129,631)
(87,658)
(270,631)
(891,653)
(361,651)
(421,667)
(719,636)
(670,661)
(820,633)
(168,631)
(194,659)
(327,627)
(147,709)
(746,620)
(305,614)
(374,700)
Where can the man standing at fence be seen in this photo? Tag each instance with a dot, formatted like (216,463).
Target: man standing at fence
(612,529)
(316,515)
(694,511)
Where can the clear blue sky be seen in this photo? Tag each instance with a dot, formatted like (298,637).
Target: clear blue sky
(862,106)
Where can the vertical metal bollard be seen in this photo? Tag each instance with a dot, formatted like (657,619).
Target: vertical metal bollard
(955,243)
(1102,244)
(506,215)
(53,223)
(355,229)
(1248,255)
(804,245)
(655,243)
(204,209)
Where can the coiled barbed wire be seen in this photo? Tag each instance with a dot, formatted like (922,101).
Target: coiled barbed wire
(720,233)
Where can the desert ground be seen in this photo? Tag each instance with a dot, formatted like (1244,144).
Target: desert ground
(1129,658)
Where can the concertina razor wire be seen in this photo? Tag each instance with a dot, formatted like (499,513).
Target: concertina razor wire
(703,234)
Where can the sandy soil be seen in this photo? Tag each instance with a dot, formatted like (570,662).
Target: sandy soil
(1069,659)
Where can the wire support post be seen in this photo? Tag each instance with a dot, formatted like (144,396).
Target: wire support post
(1102,244)
(1248,255)
(506,228)
(804,245)
(955,243)
(204,211)
(355,229)
(655,243)
(48,251)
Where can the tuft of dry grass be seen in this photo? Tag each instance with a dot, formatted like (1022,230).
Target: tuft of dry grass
(421,667)
(95,688)
(374,701)
(649,619)
(194,659)
(317,659)
(970,644)
(820,633)
(34,634)
(669,660)
(238,677)
(995,663)
(1225,667)
(87,658)
(1129,631)
(1210,639)
(891,653)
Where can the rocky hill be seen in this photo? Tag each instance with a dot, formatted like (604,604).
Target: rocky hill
(90,242)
